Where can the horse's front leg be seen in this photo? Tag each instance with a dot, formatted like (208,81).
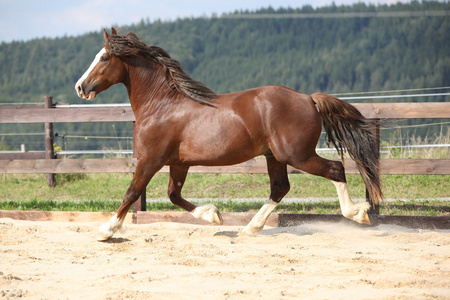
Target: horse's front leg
(206,212)
(141,178)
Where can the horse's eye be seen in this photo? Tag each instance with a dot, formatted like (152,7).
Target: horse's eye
(104,58)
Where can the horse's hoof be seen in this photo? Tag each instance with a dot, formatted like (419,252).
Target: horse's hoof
(365,219)
(208,213)
(217,218)
(105,232)
(102,238)
(250,231)
(358,213)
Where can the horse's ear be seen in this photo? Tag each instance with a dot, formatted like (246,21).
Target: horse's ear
(105,34)
(113,31)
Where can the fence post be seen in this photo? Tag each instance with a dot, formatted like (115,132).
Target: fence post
(375,209)
(49,153)
(141,203)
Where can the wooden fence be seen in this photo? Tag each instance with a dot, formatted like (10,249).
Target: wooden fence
(50,114)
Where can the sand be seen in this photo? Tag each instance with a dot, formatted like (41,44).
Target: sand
(62,260)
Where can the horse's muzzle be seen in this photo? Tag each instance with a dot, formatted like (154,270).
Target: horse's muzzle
(79,91)
(84,93)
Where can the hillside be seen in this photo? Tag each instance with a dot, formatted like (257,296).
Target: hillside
(332,55)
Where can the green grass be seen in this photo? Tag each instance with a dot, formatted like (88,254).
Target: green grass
(51,205)
(103,187)
(104,192)
(412,208)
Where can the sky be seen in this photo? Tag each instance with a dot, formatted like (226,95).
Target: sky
(22,20)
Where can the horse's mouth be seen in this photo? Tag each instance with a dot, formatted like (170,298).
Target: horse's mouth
(91,95)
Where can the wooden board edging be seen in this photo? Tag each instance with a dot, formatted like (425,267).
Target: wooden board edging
(416,222)
(289,220)
(230,219)
(60,216)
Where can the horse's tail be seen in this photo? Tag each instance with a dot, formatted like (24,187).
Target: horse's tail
(348,130)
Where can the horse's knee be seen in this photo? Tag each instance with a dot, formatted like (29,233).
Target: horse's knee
(174,196)
(336,171)
(279,189)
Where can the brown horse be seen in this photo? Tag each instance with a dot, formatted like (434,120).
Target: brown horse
(181,123)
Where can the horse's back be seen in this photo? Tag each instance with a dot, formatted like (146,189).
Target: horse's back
(272,106)
(271,101)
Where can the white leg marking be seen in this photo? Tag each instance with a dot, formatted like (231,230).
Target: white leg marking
(88,71)
(258,221)
(208,213)
(353,211)
(109,228)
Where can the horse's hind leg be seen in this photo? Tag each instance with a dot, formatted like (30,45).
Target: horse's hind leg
(279,187)
(206,212)
(334,171)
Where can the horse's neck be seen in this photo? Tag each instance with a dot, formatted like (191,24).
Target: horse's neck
(149,90)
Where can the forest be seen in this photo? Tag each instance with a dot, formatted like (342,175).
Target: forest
(334,55)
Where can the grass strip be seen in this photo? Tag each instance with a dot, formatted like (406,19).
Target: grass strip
(112,186)
(398,207)
(104,192)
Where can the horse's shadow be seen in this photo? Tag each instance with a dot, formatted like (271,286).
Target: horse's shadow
(265,232)
(231,234)
(116,240)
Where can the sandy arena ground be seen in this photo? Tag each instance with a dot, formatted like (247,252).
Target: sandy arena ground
(62,260)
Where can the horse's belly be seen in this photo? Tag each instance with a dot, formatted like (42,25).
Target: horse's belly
(216,151)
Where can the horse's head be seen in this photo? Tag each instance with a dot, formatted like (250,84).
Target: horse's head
(105,71)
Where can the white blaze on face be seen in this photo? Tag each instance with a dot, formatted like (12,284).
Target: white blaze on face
(86,74)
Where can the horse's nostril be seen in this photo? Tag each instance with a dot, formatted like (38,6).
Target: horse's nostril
(79,90)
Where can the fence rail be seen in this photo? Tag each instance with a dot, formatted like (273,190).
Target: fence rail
(254,166)
(49,114)
(16,114)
